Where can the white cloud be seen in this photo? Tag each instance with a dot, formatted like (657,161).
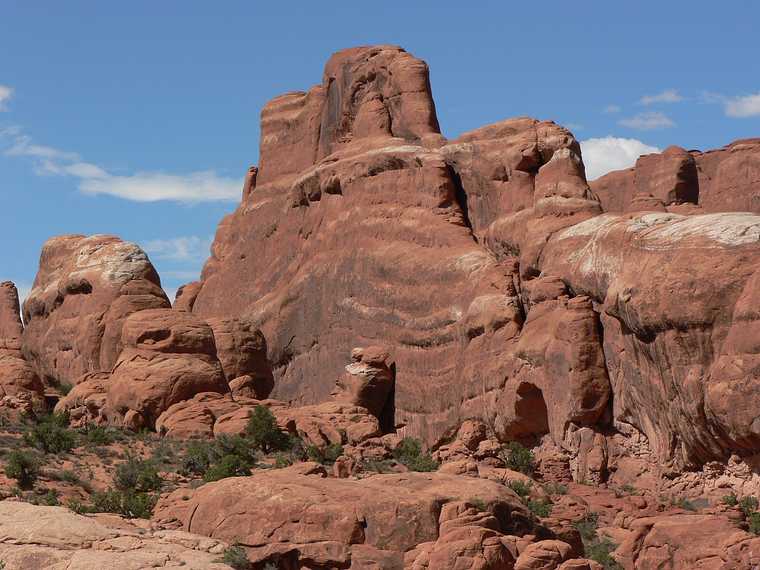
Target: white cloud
(612,109)
(193,187)
(605,154)
(667,96)
(742,107)
(648,121)
(5,95)
(184,248)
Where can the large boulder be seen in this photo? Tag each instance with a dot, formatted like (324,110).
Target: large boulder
(84,290)
(278,514)
(168,357)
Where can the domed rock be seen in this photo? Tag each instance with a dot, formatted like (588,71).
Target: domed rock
(168,357)
(84,290)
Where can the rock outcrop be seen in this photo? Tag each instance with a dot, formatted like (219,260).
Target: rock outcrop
(723,180)
(55,538)
(84,290)
(20,387)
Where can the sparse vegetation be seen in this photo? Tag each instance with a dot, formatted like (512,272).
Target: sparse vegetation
(137,475)
(326,456)
(129,504)
(522,488)
(236,557)
(477,503)
(555,489)
(541,508)
(748,505)
(226,456)
(685,504)
(596,548)
(22,466)
(519,458)
(731,500)
(377,465)
(264,433)
(51,434)
(410,454)
(99,435)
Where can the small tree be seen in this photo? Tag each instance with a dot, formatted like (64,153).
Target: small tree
(51,434)
(23,467)
(264,433)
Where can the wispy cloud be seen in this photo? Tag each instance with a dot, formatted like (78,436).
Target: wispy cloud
(5,95)
(738,107)
(667,96)
(605,154)
(183,248)
(648,121)
(193,187)
(610,109)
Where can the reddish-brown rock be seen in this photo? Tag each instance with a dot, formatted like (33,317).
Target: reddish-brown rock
(20,387)
(277,513)
(169,356)
(84,290)
(721,180)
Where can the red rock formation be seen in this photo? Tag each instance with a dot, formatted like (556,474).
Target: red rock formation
(20,387)
(722,180)
(169,357)
(84,290)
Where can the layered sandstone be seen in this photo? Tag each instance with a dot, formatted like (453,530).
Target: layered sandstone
(84,290)
(722,180)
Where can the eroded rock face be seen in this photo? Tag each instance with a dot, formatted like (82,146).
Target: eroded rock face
(168,357)
(84,290)
(20,387)
(277,514)
(722,180)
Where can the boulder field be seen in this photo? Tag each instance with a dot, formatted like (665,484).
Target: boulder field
(494,295)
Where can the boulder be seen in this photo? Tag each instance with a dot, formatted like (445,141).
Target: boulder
(84,290)
(277,513)
(169,356)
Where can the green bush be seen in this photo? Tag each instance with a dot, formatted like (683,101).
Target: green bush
(51,434)
(326,456)
(99,435)
(477,503)
(519,458)
(587,526)
(23,467)
(731,500)
(541,508)
(137,475)
(748,505)
(227,456)
(753,521)
(264,433)
(600,550)
(377,465)
(555,489)
(236,557)
(129,504)
(49,498)
(522,488)
(410,454)
(686,504)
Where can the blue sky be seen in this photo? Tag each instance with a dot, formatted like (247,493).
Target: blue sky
(140,118)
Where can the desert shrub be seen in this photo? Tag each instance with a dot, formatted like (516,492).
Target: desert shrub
(541,508)
(236,557)
(555,489)
(49,498)
(326,456)
(522,488)
(410,454)
(99,435)
(129,504)
(226,456)
(227,466)
(264,433)
(137,475)
(686,504)
(731,500)
(517,457)
(753,522)
(377,465)
(748,505)
(477,503)
(51,434)
(600,550)
(22,466)
(65,387)
(77,506)
(587,526)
